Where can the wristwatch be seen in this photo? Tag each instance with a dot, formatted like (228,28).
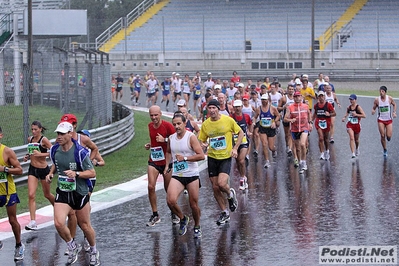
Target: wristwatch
(166,140)
(77,174)
(6,170)
(185,158)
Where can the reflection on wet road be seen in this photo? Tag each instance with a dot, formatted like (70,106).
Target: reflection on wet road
(282,219)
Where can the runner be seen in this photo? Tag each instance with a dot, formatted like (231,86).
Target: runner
(323,112)
(187,88)
(131,86)
(159,131)
(354,113)
(298,114)
(9,166)
(72,163)
(137,83)
(185,151)
(151,85)
(268,118)
(245,123)
(165,86)
(384,119)
(219,129)
(176,87)
(331,98)
(119,88)
(284,102)
(255,102)
(197,96)
(38,169)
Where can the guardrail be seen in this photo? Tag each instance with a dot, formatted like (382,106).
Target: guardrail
(108,139)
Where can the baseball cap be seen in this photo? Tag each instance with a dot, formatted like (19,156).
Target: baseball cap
(321,93)
(85,132)
(353,97)
(240,85)
(70,118)
(64,127)
(181,102)
(298,82)
(214,102)
(297,93)
(173,73)
(245,97)
(264,96)
(209,73)
(177,74)
(218,86)
(237,103)
(305,76)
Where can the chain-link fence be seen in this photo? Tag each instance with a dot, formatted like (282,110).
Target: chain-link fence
(60,83)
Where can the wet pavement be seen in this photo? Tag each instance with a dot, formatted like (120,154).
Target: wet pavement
(282,218)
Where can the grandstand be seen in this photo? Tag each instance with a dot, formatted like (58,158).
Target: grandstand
(261,25)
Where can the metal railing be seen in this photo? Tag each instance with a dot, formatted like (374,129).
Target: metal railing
(123,22)
(108,139)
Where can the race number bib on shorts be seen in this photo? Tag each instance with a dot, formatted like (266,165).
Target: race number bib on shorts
(66,184)
(218,143)
(33,147)
(180,167)
(157,154)
(266,122)
(323,124)
(3,177)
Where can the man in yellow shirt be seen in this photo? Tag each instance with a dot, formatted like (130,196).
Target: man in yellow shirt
(308,94)
(219,129)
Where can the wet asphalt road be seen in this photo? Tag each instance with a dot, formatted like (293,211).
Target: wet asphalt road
(282,219)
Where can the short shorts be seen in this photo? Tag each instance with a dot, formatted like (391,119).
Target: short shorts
(215,166)
(39,173)
(73,199)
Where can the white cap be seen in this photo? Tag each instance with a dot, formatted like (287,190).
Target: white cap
(320,93)
(181,102)
(240,85)
(218,86)
(237,103)
(264,96)
(298,81)
(177,74)
(305,76)
(209,73)
(64,127)
(173,73)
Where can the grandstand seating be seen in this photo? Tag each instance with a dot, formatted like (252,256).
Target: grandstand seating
(228,24)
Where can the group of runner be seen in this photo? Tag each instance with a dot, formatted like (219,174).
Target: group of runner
(239,117)
(73,157)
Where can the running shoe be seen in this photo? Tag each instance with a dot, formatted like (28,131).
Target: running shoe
(223,218)
(274,154)
(322,157)
(331,140)
(296,163)
(243,183)
(86,245)
(95,258)
(385,153)
(289,152)
(255,153)
(357,152)
(267,164)
(175,218)
(185,192)
(233,202)
(1,245)
(19,252)
(154,219)
(197,232)
(353,155)
(31,226)
(73,254)
(183,225)
(66,253)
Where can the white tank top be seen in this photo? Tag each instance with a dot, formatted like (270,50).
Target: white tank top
(330,99)
(182,146)
(247,110)
(274,98)
(186,87)
(384,109)
(288,102)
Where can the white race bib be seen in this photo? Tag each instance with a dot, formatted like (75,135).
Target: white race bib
(157,154)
